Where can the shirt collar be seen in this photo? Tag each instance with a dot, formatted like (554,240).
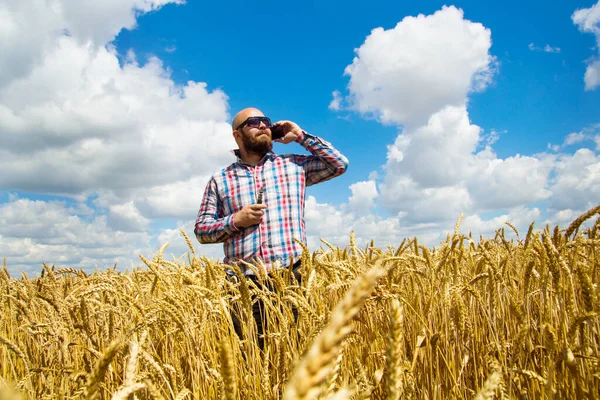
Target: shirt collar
(237,154)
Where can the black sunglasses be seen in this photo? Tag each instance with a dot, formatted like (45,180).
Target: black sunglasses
(254,122)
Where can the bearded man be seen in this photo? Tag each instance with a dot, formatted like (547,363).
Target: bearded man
(263,232)
(255,206)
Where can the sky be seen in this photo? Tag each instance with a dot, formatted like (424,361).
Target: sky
(115,113)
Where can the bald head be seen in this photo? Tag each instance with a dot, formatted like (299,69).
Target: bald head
(244,114)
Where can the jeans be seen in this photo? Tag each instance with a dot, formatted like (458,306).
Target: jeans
(258,308)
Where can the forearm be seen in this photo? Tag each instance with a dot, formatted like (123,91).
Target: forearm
(213,225)
(327,162)
(214,230)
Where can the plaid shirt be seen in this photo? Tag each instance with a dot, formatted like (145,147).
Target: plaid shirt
(282,179)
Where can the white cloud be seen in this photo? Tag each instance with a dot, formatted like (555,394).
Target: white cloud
(77,119)
(435,172)
(30,28)
(325,220)
(588,21)
(90,124)
(405,74)
(576,184)
(550,49)
(520,217)
(33,232)
(334,225)
(441,164)
(495,183)
(575,137)
(126,217)
(589,133)
(592,76)
(363,195)
(547,48)
(336,102)
(436,154)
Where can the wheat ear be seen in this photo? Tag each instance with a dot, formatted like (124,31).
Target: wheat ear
(92,390)
(393,369)
(488,390)
(17,350)
(228,370)
(188,241)
(127,391)
(580,220)
(316,365)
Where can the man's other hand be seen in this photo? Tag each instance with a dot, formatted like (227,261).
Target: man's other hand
(249,215)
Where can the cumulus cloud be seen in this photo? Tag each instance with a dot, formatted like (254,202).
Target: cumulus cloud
(334,224)
(442,164)
(30,28)
(520,217)
(38,231)
(89,122)
(79,120)
(425,63)
(95,124)
(437,172)
(71,235)
(588,21)
(363,196)
(126,217)
(576,184)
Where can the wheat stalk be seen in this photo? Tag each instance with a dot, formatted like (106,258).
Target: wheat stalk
(318,362)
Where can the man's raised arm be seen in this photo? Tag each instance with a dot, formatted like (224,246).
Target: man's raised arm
(324,163)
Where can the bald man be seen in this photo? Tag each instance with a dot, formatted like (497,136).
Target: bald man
(255,206)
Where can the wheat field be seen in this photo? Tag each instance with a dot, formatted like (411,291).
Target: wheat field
(472,318)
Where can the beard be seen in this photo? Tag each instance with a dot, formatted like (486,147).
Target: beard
(259,145)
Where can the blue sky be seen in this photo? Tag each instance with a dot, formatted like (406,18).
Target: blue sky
(113,115)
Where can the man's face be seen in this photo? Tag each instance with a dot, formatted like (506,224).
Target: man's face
(256,140)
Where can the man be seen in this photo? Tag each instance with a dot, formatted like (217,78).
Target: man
(263,232)
(255,206)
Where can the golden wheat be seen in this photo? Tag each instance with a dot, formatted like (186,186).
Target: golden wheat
(506,316)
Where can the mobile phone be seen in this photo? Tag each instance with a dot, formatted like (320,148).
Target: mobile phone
(277,132)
